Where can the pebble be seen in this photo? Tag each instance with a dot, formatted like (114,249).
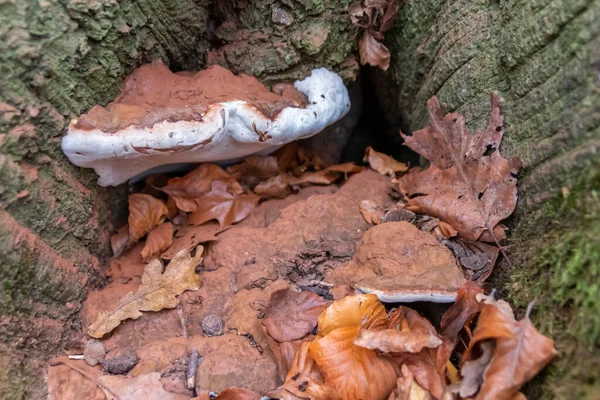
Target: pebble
(94,352)
(119,360)
(212,325)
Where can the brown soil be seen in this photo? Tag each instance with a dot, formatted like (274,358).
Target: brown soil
(152,93)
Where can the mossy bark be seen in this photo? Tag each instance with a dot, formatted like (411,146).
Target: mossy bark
(543,57)
(58,58)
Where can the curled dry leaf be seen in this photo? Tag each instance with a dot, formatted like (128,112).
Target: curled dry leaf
(407,331)
(373,52)
(520,352)
(370,212)
(146,386)
(223,206)
(254,169)
(383,163)
(120,241)
(291,315)
(355,311)
(348,168)
(408,389)
(468,184)
(158,290)
(462,311)
(159,239)
(145,212)
(445,230)
(352,371)
(472,370)
(188,237)
(197,183)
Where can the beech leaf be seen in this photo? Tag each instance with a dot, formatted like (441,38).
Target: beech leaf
(408,389)
(145,212)
(223,206)
(291,315)
(383,163)
(184,190)
(468,184)
(355,311)
(354,372)
(158,291)
(373,52)
(158,240)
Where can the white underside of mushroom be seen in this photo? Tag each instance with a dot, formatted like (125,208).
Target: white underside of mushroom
(228,131)
(432,296)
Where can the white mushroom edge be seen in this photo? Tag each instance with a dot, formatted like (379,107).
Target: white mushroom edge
(228,130)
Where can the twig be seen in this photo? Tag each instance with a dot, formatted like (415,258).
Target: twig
(87,375)
(190,383)
(529,308)
(76,357)
(183,323)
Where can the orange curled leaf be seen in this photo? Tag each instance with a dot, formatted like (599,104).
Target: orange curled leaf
(383,163)
(158,240)
(373,52)
(355,311)
(145,212)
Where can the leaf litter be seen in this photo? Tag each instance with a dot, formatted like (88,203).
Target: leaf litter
(269,278)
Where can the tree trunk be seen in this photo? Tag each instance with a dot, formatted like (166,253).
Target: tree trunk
(58,58)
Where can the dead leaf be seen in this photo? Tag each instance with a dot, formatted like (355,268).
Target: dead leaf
(291,315)
(408,389)
(445,230)
(383,163)
(322,177)
(468,184)
(391,12)
(254,169)
(223,206)
(158,291)
(352,371)
(348,168)
(373,52)
(355,311)
(275,187)
(464,309)
(119,242)
(146,386)
(73,380)
(238,394)
(145,212)
(472,370)
(370,212)
(186,189)
(407,332)
(188,237)
(159,239)
(520,352)
(476,258)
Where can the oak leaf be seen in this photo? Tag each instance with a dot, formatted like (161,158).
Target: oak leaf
(223,206)
(353,371)
(145,212)
(468,184)
(406,331)
(520,352)
(354,311)
(158,291)
(184,190)
(291,315)
(159,239)
(383,163)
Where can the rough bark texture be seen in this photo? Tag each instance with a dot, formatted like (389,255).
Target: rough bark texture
(543,57)
(61,57)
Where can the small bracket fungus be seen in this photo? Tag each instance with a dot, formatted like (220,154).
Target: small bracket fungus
(163,118)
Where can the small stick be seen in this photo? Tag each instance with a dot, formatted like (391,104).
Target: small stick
(87,375)
(76,357)
(191,369)
(183,323)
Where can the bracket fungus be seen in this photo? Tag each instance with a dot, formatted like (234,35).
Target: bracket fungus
(162,118)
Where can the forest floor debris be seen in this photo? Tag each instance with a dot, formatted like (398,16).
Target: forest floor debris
(317,281)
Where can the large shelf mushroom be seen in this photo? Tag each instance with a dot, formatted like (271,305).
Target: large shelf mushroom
(162,118)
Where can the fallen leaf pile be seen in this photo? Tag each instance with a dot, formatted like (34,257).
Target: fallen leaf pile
(306,296)
(375,17)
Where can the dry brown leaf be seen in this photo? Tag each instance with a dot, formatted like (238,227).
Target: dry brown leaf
(355,311)
(73,380)
(291,315)
(197,183)
(146,387)
(159,239)
(158,291)
(520,352)
(408,389)
(462,311)
(472,370)
(383,163)
(238,394)
(188,237)
(223,206)
(348,168)
(370,211)
(373,52)
(407,331)
(254,169)
(429,366)
(119,241)
(445,230)
(145,212)
(275,187)
(476,258)
(352,371)
(468,184)
(322,177)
